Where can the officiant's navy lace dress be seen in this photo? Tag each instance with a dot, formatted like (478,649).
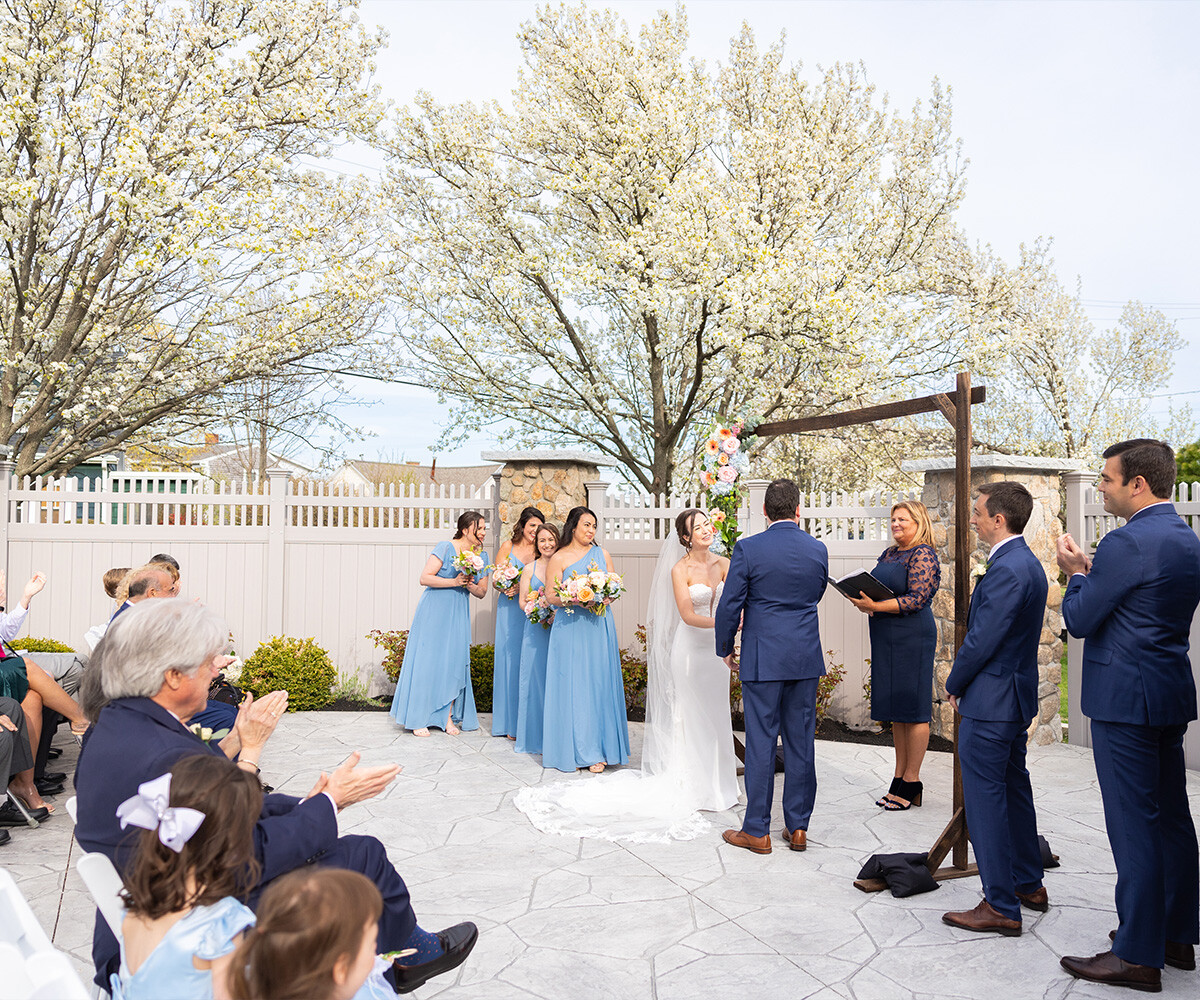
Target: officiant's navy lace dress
(903,645)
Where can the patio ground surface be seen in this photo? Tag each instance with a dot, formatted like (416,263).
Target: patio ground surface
(568,918)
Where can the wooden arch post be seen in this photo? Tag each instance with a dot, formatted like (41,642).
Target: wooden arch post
(956,408)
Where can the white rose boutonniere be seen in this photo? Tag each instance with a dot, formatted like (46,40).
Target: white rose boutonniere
(978,570)
(206,734)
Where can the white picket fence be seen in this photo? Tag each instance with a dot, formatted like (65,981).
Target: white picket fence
(334,562)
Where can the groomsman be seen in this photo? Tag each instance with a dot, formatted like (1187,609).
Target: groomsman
(993,686)
(1133,605)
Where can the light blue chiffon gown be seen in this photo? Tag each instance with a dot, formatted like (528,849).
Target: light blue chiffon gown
(435,677)
(531,695)
(510,630)
(584,719)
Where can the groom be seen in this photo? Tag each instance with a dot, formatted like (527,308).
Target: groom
(774,582)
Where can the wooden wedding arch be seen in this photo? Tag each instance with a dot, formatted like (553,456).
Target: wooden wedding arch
(956,408)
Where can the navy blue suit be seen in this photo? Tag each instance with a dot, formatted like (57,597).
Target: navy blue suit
(1134,610)
(995,680)
(136,740)
(774,582)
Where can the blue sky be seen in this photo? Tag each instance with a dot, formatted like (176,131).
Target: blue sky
(1081,121)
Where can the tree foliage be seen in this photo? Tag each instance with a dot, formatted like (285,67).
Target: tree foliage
(151,198)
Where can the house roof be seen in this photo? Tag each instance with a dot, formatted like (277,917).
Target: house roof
(408,473)
(231,461)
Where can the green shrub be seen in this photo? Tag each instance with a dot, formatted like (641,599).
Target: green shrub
(633,673)
(393,643)
(298,666)
(483,666)
(834,672)
(32,645)
(351,688)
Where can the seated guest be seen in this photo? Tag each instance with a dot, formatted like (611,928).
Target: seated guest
(16,767)
(315,938)
(155,665)
(110,581)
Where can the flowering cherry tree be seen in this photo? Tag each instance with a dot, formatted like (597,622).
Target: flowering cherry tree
(641,241)
(151,201)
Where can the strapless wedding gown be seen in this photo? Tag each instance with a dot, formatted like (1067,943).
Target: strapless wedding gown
(694,747)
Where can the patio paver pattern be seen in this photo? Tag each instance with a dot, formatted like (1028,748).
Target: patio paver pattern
(563,917)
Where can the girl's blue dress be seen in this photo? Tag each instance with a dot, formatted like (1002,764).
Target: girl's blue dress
(510,630)
(584,720)
(168,973)
(531,699)
(435,677)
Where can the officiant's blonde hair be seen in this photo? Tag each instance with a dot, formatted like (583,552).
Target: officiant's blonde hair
(917,511)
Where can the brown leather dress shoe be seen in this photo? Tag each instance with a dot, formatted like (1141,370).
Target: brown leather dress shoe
(738,838)
(1037,900)
(983,918)
(797,841)
(1109,969)
(1177,956)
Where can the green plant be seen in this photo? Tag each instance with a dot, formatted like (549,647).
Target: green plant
(32,645)
(393,644)
(633,674)
(352,688)
(834,672)
(298,666)
(483,665)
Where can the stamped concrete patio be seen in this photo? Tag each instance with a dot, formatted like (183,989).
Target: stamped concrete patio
(563,917)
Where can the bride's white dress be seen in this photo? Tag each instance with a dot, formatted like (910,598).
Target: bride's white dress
(688,761)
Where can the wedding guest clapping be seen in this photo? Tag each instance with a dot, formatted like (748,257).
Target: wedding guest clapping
(584,721)
(434,688)
(903,643)
(535,641)
(510,625)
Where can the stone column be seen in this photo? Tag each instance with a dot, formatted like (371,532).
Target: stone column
(1041,476)
(550,480)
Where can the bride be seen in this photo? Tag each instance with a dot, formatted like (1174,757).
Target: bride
(688,764)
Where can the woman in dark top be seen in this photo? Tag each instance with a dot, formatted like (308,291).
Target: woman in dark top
(903,641)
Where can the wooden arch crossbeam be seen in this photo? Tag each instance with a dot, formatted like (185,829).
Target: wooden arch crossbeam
(953,839)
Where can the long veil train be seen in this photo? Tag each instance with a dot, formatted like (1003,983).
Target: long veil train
(687,753)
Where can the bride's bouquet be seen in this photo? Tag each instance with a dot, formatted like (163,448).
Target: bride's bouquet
(590,590)
(538,609)
(505,576)
(470,564)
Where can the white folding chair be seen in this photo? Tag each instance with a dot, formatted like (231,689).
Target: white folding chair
(72,809)
(104,884)
(33,969)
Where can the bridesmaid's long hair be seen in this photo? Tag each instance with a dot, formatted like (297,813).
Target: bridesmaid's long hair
(568,535)
(466,521)
(527,515)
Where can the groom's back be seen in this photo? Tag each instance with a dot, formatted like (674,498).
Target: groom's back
(785,571)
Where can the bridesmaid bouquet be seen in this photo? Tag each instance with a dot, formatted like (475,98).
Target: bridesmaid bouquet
(505,576)
(470,564)
(538,609)
(590,590)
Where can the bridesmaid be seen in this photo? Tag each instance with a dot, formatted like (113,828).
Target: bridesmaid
(531,701)
(510,626)
(584,722)
(435,678)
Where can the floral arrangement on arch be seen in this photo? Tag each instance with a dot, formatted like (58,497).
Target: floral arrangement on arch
(723,468)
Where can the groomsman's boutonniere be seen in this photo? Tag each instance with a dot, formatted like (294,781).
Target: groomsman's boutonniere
(206,734)
(978,570)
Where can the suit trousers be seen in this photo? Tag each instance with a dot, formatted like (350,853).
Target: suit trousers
(790,708)
(1153,838)
(15,753)
(998,800)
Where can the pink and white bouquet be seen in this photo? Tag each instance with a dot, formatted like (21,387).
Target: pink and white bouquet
(590,590)
(538,610)
(470,564)
(505,576)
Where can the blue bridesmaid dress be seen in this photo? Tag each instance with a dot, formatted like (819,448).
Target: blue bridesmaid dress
(584,720)
(435,677)
(531,695)
(510,630)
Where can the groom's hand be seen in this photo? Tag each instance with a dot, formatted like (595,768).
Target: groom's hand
(731,662)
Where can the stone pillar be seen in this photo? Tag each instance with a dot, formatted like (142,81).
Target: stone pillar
(552,481)
(1041,476)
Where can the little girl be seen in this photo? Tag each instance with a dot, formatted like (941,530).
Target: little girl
(195,856)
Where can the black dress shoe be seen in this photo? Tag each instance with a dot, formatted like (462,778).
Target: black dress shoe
(58,776)
(457,942)
(5,837)
(1177,956)
(54,753)
(45,787)
(1109,969)
(10,815)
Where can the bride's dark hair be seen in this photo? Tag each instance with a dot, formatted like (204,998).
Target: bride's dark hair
(685,524)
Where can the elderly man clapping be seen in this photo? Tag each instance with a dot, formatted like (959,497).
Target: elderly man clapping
(156,663)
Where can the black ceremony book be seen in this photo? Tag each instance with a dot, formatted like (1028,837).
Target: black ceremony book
(860,582)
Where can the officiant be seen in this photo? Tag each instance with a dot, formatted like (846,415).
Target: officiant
(903,643)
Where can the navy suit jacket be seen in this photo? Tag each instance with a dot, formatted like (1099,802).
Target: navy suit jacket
(136,740)
(1134,609)
(776,578)
(995,672)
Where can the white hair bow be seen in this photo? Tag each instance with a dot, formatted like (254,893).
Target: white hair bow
(150,810)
